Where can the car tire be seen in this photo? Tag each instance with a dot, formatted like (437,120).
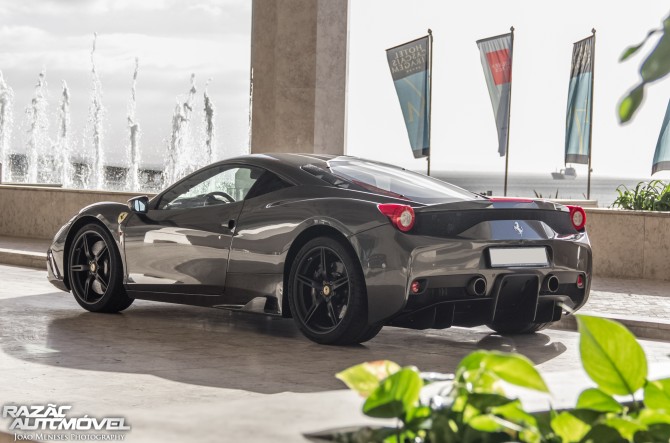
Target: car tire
(517,328)
(95,271)
(327,294)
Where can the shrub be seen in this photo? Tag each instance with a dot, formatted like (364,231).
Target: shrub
(471,405)
(652,196)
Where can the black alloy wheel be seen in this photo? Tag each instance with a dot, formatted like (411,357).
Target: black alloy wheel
(327,294)
(94,268)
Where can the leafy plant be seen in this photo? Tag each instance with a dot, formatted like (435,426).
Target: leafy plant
(654,67)
(539,195)
(471,406)
(652,196)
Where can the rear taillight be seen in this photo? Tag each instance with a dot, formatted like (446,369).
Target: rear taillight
(402,216)
(578,217)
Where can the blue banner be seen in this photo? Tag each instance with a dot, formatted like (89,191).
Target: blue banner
(580,93)
(662,154)
(410,69)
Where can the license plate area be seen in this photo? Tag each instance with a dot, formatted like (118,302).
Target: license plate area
(527,257)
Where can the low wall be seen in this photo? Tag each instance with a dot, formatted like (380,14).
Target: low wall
(38,212)
(630,244)
(626,244)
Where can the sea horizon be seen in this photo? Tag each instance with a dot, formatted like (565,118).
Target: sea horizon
(527,184)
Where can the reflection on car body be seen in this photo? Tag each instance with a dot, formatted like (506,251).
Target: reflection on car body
(343,245)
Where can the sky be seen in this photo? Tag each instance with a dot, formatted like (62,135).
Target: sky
(463,127)
(211,38)
(172,40)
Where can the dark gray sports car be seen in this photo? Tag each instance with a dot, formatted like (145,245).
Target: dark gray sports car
(343,245)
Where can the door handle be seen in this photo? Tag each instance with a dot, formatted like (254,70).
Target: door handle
(230,225)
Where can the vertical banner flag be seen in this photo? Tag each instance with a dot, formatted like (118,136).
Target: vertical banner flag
(496,56)
(580,95)
(410,69)
(662,155)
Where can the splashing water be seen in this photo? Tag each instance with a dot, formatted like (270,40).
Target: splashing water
(209,125)
(133,151)
(95,120)
(178,161)
(6,122)
(64,162)
(38,127)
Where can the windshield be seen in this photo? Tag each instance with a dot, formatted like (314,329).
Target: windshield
(397,182)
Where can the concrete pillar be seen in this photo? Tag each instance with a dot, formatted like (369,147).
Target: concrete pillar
(299,76)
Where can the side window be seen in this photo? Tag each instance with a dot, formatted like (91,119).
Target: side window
(218,185)
(266,183)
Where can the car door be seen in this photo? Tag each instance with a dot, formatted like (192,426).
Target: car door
(181,245)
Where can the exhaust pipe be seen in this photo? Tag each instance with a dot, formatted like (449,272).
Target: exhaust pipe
(477,286)
(550,283)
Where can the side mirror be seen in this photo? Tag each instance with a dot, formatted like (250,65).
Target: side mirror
(139,205)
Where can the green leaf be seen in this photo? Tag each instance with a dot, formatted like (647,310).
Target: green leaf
(472,361)
(626,426)
(657,394)
(597,400)
(485,423)
(602,434)
(515,369)
(654,433)
(364,378)
(652,417)
(395,395)
(515,413)
(611,355)
(657,64)
(633,49)
(630,103)
(569,427)
(484,402)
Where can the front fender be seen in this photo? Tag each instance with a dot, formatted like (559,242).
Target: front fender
(105,213)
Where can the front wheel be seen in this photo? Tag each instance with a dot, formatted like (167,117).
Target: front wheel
(95,271)
(327,294)
(517,328)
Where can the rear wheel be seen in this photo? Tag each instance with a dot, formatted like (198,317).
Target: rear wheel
(517,328)
(327,294)
(95,271)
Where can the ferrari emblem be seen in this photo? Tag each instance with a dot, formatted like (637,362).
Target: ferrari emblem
(518,228)
(122,217)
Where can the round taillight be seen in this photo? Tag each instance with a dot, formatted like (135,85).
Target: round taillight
(402,216)
(578,217)
(416,287)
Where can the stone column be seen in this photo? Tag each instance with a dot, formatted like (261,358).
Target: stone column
(299,76)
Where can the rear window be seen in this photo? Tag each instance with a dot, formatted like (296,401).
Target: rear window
(389,180)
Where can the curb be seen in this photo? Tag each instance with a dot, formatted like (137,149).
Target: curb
(15,257)
(659,330)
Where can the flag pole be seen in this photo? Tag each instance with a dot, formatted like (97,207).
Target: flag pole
(509,113)
(430,93)
(593,77)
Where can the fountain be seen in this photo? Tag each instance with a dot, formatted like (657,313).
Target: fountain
(209,125)
(133,152)
(96,115)
(178,162)
(38,129)
(50,161)
(6,121)
(63,155)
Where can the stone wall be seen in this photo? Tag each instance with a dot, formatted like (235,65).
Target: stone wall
(630,244)
(38,212)
(626,244)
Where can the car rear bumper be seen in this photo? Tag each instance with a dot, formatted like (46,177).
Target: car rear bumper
(445,267)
